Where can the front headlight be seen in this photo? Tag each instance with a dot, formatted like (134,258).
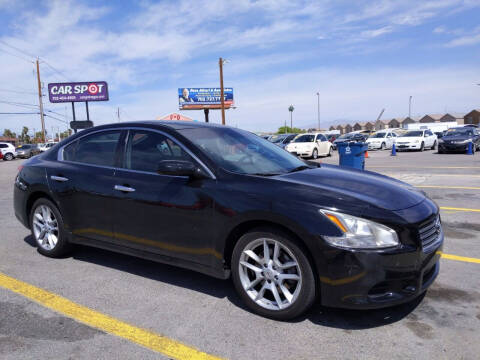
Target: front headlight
(440,141)
(359,233)
(417,141)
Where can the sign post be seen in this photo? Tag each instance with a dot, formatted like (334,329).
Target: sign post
(78,92)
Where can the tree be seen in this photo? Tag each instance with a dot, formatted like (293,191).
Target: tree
(8,133)
(288,129)
(24,137)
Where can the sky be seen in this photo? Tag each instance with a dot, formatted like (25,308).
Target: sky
(360,56)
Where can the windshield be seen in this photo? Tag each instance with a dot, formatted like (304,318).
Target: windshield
(242,152)
(277,138)
(459,132)
(305,138)
(413,133)
(378,135)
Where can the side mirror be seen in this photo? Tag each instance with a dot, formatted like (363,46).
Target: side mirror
(178,168)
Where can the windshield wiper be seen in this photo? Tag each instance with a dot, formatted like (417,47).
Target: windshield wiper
(300,168)
(265,174)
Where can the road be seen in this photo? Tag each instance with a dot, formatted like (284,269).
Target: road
(206,314)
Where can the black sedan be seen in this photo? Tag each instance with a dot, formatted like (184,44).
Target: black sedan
(458,140)
(206,198)
(355,137)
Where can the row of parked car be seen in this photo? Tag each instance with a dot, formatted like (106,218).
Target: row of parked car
(25,151)
(318,144)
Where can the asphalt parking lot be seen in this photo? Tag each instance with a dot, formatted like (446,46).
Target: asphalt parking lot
(206,314)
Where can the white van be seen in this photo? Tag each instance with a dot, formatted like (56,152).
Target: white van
(8,151)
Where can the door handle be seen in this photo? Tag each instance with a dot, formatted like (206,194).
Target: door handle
(124,188)
(59,178)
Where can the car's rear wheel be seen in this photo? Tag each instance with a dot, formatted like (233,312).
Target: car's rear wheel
(47,227)
(8,157)
(272,274)
(434,145)
(330,151)
(382,147)
(315,154)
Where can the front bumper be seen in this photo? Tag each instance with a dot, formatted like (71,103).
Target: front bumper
(375,279)
(452,147)
(301,153)
(374,146)
(409,146)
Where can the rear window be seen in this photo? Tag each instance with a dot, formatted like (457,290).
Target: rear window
(95,149)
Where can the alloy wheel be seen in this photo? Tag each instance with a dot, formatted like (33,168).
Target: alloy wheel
(9,157)
(45,227)
(315,153)
(270,274)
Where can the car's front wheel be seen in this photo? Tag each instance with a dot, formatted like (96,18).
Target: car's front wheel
(272,274)
(315,153)
(330,151)
(422,146)
(47,227)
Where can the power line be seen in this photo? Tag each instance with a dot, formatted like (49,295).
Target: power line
(17,56)
(18,113)
(17,49)
(54,69)
(18,91)
(14,103)
(53,117)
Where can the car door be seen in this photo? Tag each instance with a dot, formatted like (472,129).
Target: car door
(389,140)
(324,144)
(81,181)
(163,214)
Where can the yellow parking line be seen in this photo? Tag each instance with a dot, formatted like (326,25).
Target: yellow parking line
(146,338)
(447,187)
(459,258)
(425,167)
(459,209)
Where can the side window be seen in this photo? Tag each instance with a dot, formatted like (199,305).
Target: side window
(3,146)
(95,149)
(321,138)
(145,150)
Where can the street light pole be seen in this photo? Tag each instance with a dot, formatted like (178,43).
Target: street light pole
(410,107)
(222,100)
(291,108)
(318,109)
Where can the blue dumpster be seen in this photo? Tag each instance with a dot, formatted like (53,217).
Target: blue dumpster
(352,154)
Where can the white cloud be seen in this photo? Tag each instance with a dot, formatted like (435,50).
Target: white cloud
(376,32)
(464,40)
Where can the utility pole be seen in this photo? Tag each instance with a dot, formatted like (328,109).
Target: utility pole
(40,101)
(318,109)
(118,113)
(222,100)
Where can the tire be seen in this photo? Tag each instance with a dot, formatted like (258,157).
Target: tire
(46,244)
(315,154)
(422,147)
(330,151)
(440,151)
(383,146)
(301,291)
(434,145)
(8,157)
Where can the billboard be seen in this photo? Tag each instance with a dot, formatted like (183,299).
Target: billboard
(203,98)
(78,91)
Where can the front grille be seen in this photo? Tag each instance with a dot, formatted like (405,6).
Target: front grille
(429,233)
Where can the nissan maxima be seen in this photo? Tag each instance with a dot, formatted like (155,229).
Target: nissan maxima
(206,198)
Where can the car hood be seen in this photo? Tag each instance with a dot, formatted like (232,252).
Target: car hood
(365,186)
(409,138)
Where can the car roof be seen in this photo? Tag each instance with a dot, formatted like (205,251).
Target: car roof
(173,124)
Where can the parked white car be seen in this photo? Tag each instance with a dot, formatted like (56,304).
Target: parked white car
(45,147)
(310,145)
(417,140)
(381,140)
(8,151)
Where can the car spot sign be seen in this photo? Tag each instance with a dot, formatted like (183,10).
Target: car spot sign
(78,91)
